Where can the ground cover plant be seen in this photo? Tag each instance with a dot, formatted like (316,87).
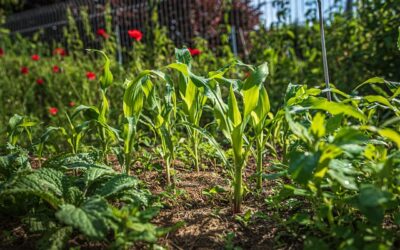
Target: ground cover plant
(192,150)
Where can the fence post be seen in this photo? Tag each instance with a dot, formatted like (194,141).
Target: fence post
(234,42)
(324,57)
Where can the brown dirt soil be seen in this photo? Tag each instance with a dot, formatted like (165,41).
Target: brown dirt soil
(209,219)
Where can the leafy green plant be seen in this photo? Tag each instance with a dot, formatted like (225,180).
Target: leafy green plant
(233,124)
(80,204)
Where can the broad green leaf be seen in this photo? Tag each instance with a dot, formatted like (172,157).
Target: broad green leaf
(334,108)
(14,163)
(45,183)
(302,166)
(297,129)
(252,87)
(379,99)
(95,172)
(346,136)
(183,56)
(318,125)
(91,218)
(117,184)
(257,77)
(343,172)
(391,135)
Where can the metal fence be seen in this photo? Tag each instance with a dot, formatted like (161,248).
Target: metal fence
(184,19)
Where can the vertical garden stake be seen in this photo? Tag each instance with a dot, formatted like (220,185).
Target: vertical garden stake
(324,59)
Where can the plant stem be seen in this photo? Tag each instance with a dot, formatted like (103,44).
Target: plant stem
(196,152)
(128,160)
(237,188)
(168,171)
(259,163)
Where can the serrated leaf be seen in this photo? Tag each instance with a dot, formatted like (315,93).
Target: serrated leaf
(91,218)
(45,183)
(55,239)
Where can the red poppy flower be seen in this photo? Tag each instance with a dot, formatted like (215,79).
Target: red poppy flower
(59,51)
(1,52)
(56,69)
(40,81)
(135,34)
(71,104)
(35,57)
(90,76)
(53,111)
(24,70)
(194,52)
(102,32)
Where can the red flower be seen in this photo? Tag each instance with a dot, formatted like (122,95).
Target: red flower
(1,52)
(90,76)
(35,57)
(59,51)
(24,70)
(53,111)
(40,81)
(102,32)
(56,69)
(194,52)
(135,34)
(71,104)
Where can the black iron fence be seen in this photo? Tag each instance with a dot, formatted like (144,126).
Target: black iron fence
(184,19)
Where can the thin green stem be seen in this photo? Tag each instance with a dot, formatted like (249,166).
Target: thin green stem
(238,186)
(259,163)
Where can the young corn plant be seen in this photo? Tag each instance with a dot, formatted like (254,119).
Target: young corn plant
(233,122)
(17,125)
(99,116)
(163,111)
(137,93)
(258,122)
(193,99)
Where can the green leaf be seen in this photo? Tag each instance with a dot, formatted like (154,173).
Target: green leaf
(95,172)
(233,109)
(391,135)
(371,200)
(252,87)
(55,239)
(334,108)
(318,125)
(91,218)
(211,139)
(343,172)
(45,183)
(297,129)
(346,136)
(116,185)
(14,163)
(107,78)
(183,56)
(302,166)
(381,100)
(371,81)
